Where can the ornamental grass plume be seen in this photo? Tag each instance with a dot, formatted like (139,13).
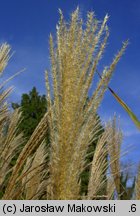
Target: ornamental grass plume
(72,121)
(114,152)
(36,168)
(10,142)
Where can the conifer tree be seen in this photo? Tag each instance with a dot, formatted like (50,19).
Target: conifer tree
(33,107)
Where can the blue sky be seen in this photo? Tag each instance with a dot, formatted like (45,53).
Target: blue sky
(26,25)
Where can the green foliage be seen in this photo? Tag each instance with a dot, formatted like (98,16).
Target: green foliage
(33,107)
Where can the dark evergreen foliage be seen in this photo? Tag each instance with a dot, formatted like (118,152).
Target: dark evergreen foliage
(33,107)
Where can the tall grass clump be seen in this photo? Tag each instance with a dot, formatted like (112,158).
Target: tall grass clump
(11,141)
(53,171)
